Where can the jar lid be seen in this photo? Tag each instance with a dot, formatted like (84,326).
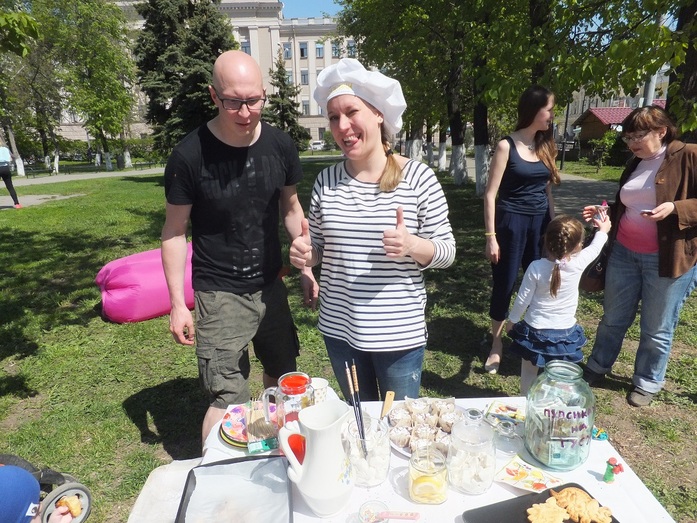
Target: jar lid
(294,382)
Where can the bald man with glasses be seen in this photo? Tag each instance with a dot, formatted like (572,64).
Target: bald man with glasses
(233,179)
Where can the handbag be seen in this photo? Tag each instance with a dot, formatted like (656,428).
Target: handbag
(593,276)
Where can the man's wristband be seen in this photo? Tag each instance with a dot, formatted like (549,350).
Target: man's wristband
(489,234)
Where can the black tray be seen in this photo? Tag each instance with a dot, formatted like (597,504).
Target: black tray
(513,510)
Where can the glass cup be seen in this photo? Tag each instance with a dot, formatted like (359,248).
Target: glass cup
(428,482)
(369,456)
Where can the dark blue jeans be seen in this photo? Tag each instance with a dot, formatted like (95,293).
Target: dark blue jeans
(377,371)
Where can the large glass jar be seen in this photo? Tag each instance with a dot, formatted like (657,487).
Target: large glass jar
(559,416)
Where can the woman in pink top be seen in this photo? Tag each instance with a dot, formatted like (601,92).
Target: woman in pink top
(654,251)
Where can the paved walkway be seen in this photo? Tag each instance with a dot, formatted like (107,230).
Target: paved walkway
(570,197)
(36,199)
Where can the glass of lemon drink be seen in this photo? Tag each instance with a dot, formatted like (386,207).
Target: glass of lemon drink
(428,481)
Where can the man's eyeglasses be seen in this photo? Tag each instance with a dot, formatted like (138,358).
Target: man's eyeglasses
(235,104)
(635,137)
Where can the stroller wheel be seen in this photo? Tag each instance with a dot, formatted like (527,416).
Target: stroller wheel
(68,489)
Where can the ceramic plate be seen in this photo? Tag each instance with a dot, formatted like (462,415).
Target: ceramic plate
(233,429)
(522,475)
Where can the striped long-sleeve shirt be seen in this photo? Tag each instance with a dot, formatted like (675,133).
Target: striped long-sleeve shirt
(367,299)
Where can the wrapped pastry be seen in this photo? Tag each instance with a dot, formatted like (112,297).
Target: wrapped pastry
(442,405)
(448,419)
(400,417)
(442,441)
(400,436)
(423,431)
(417,405)
(425,418)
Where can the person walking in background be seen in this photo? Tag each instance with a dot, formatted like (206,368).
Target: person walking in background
(376,221)
(548,296)
(230,177)
(521,173)
(6,173)
(653,254)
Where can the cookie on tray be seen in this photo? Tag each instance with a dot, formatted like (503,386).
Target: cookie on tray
(547,512)
(582,508)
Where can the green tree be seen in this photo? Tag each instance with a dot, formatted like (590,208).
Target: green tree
(601,148)
(16,29)
(282,110)
(79,64)
(96,60)
(175,52)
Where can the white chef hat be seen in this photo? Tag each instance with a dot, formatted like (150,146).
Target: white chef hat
(348,76)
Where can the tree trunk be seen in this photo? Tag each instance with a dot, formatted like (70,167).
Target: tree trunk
(481,146)
(127,162)
(442,156)
(19,163)
(458,164)
(442,144)
(684,79)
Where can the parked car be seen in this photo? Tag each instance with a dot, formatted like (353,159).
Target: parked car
(317,145)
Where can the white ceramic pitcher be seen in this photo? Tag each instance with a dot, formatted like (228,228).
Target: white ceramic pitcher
(324,477)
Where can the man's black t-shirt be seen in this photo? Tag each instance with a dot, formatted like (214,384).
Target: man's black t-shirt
(234,193)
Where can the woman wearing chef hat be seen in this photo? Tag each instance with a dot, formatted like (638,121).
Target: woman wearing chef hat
(376,221)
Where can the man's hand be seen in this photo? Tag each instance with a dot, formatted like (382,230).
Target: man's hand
(181,325)
(301,248)
(397,242)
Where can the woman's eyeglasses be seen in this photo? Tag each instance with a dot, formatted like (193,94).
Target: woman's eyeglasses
(629,138)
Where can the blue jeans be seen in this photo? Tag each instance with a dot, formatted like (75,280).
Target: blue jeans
(377,371)
(633,277)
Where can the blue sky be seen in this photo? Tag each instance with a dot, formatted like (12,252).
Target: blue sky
(308,8)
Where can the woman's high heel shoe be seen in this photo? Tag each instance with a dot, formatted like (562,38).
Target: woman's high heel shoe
(492,363)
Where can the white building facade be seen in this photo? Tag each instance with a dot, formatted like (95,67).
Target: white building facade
(308,45)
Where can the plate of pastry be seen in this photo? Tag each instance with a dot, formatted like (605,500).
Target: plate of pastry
(415,422)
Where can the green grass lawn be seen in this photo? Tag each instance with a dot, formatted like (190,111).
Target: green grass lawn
(109,403)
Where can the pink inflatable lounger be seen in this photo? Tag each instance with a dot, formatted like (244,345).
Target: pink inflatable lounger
(134,287)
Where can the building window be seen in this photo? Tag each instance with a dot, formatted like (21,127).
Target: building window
(303,49)
(289,76)
(306,107)
(287,51)
(321,132)
(319,50)
(245,47)
(336,50)
(304,77)
(351,49)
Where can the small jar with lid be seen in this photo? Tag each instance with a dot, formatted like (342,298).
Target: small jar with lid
(472,454)
(559,416)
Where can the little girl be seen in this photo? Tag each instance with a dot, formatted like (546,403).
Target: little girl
(549,292)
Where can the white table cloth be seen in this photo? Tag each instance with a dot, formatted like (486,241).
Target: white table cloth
(628,497)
